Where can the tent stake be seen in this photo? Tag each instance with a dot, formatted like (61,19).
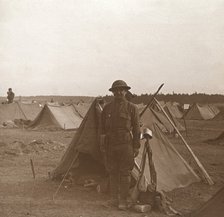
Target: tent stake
(32,167)
(202,169)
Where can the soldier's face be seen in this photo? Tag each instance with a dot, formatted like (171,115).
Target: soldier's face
(119,93)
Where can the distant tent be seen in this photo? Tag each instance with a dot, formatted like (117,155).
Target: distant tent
(152,116)
(161,120)
(173,110)
(18,110)
(200,112)
(162,103)
(214,109)
(31,110)
(82,108)
(10,112)
(219,116)
(55,116)
(175,121)
(212,208)
(172,170)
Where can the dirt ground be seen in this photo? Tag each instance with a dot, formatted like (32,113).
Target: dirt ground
(22,195)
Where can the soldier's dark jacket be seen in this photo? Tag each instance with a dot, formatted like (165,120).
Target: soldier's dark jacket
(120,124)
(10,96)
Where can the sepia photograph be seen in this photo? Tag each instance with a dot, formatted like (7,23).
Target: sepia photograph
(111,108)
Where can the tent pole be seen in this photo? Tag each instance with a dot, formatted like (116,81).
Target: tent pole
(202,169)
(73,161)
(151,100)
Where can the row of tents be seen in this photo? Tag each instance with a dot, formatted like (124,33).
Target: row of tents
(202,112)
(195,112)
(38,116)
(69,117)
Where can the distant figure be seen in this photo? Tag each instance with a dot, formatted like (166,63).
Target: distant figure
(10,96)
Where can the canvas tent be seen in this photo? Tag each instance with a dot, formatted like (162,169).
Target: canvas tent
(18,110)
(214,109)
(172,170)
(81,108)
(201,112)
(55,116)
(175,121)
(166,158)
(219,116)
(31,110)
(173,109)
(212,208)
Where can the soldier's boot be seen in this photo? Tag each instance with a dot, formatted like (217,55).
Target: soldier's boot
(124,190)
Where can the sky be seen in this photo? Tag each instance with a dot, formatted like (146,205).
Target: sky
(79,47)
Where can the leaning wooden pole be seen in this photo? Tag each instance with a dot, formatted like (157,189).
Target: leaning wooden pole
(202,169)
(151,100)
(65,175)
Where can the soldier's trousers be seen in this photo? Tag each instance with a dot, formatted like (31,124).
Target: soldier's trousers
(119,163)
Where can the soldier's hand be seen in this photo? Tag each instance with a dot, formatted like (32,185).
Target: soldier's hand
(136,151)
